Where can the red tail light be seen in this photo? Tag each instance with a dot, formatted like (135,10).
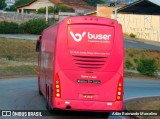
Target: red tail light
(119,95)
(57,87)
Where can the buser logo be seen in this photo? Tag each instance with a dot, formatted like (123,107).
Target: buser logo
(98,36)
(78,37)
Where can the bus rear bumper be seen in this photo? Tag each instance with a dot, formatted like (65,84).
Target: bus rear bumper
(96,106)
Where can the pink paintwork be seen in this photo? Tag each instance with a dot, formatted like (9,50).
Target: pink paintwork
(81,64)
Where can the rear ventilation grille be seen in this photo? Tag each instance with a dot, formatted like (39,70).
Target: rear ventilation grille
(89,62)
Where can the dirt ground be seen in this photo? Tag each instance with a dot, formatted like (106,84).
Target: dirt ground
(19,57)
(144,104)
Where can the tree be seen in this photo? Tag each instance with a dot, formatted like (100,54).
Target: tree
(62,8)
(94,2)
(43,9)
(18,3)
(2,4)
(33,26)
(22,2)
(12,8)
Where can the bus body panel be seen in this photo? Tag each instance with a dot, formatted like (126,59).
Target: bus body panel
(98,86)
(86,54)
(95,106)
(47,58)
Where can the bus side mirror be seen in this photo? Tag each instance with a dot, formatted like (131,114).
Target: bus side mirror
(38,44)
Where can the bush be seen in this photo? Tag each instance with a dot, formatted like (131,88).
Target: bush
(147,66)
(8,28)
(135,60)
(10,57)
(43,10)
(132,35)
(34,26)
(131,54)
(58,7)
(128,64)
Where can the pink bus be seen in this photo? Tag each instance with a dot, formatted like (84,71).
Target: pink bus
(81,64)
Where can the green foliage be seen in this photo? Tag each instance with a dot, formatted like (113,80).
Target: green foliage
(131,54)
(135,60)
(60,7)
(12,8)
(128,64)
(2,4)
(10,57)
(43,10)
(94,2)
(18,3)
(8,28)
(34,26)
(147,66)
(132,35)
(22,2)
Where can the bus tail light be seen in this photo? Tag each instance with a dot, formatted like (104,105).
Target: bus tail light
(57,87)
(119,95)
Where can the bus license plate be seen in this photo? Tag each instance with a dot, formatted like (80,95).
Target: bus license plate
(88,96)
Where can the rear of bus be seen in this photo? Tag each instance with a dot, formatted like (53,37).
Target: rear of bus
(88,73)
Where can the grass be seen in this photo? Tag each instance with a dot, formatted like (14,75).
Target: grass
(18,50)
(132,55)
(18,70)
(138,75)
(18,57)
(145,104)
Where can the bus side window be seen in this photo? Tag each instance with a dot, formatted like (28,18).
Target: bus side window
(38,45)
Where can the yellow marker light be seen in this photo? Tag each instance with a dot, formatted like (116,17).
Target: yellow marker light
(57,86)
(119,88)
(118,97)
